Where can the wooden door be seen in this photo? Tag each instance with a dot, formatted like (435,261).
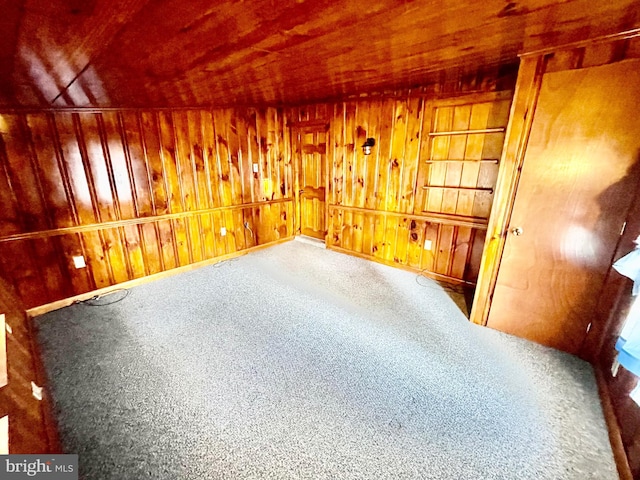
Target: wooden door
(579,175)
(312,147)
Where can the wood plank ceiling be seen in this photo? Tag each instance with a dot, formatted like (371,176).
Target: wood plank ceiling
(187,53)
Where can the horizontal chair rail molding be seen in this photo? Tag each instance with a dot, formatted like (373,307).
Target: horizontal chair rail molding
(134,221)
(426,273)
(450,160)
(445,187)
(482,131)
(443,219)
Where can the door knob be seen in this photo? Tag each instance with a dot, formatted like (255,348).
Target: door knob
(301,191)
(517,231)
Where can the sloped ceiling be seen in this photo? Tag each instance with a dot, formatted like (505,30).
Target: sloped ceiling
(196,52)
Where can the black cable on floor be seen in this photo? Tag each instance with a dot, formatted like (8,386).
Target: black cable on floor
(96,301)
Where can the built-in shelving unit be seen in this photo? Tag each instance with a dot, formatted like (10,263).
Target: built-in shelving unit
(465,140)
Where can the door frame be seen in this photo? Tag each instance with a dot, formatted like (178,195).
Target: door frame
(297,129)
(525,99)
(533,66)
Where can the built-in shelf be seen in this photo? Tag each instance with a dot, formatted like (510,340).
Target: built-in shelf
(467,132)
(433,217)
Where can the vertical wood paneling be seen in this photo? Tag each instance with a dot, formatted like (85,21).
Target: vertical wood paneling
(122,186)
(220,128)
(9,216)
(359,173)
(350,111)
(383,154)
(264,185)
(396,159)
(413,140)
(379,230)
(372,161)
(81,280)
(18,265)
(249,155)
(173,185)
(150,142)
(88,145)
(145,171)
(276,132)
(22,176)
(234,142)
(401,241)
(220,241)
(97,263)
(285,139)
(91,169)
(416,241)
(338,175)
(73,170)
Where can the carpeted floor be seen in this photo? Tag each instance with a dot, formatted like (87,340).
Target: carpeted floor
(297,362)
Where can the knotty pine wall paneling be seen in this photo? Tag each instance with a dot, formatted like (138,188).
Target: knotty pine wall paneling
(136,192)
(419,183)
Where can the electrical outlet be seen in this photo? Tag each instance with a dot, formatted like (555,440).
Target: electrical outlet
(78,261)
(255,168)
(427,244)
(223,231)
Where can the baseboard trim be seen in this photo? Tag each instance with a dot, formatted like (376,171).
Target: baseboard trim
(310,241)
(433,275)
(65,302)
(615,436)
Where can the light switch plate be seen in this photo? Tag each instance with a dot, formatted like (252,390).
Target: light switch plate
(427,244)
(223,231)
(255,168)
